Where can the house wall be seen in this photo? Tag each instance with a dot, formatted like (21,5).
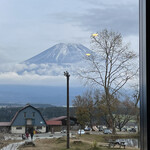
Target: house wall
(22,129)
(15,130)
(54,128)
(43,130)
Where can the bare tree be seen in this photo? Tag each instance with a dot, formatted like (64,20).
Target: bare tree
(109,67)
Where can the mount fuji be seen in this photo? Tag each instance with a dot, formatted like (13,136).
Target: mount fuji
(60,53)
(40,79)
(55,60)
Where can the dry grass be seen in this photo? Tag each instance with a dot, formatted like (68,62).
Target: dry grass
(104,138)
(87,143)
(53,144)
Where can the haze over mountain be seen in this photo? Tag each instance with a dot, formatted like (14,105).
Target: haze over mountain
(60,53)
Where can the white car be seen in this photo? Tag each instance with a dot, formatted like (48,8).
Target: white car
(107,131)
(87,129)
(81,131)
(63,131)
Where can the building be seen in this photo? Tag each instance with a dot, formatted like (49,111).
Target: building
(60,123)
(29,117)
(4,127)
(26,118)
(54,126)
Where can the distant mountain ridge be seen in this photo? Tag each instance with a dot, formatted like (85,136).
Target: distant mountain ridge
(60,53)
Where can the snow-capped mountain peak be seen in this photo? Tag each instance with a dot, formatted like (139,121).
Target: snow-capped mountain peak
(60,53)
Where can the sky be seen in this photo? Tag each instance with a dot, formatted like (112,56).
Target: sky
(28,27)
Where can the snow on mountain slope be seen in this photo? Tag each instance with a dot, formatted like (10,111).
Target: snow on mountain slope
(60,53)
(57,59)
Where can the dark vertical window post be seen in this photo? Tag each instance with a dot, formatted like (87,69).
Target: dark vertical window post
(144,75)
(148,70)
(68,118)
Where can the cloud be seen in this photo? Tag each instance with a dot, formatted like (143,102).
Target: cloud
(4,57)
(134,40)
(119,16)
(50,22)
(119,19)
(35,79)
(29,79)
(43,74)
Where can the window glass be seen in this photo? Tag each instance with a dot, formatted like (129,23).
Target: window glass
(33,114)
(89,48)
(18,128)
(29,121)
(39,127)
(24,114)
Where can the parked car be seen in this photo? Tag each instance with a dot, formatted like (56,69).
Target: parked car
(132,130)
(107,131)
(87,129)
(81,131)
(64,131)
(124,129)
(101,129)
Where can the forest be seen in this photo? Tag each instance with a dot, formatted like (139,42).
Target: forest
(7,113)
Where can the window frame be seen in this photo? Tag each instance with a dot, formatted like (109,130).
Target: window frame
(143,75)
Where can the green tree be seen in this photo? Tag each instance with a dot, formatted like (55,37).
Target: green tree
(82,114)
(85,109)
(104,111)
(125,113)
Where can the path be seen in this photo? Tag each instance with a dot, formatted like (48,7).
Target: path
(13,146)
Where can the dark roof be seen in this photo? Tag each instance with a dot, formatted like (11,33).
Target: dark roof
(4,124)
(53,122)
(28,105)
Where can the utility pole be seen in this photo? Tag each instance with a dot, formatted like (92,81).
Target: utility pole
(68,118)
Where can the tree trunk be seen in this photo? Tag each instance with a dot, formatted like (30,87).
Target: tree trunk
(113,128)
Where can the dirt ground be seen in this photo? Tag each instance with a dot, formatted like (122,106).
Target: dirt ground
(84,142)
(60,144)
(45,144)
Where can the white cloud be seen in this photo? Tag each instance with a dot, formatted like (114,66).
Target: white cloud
(30,79)
(33,74)
(134,42)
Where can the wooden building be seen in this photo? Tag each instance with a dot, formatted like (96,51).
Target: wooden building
(26,118)
(60,123)
(29,117)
